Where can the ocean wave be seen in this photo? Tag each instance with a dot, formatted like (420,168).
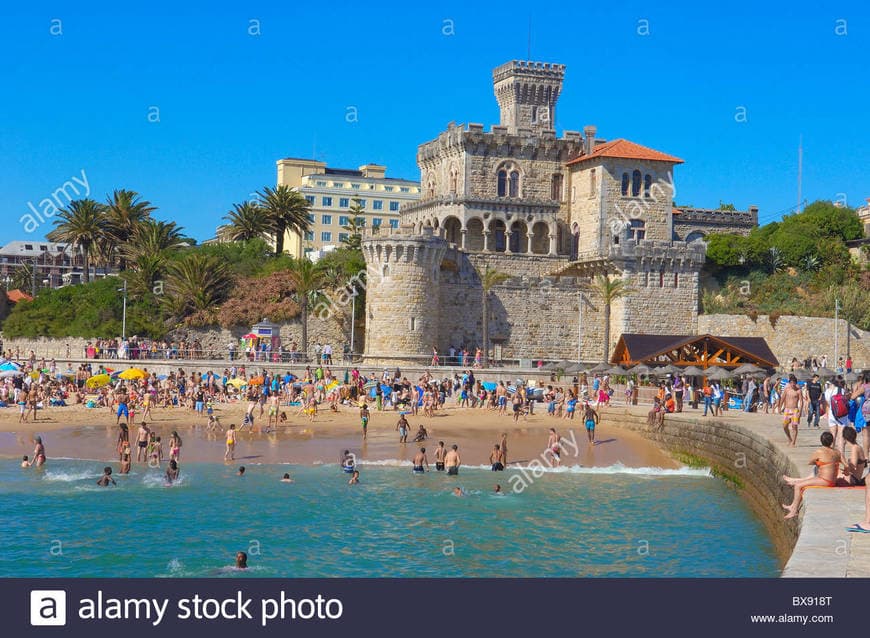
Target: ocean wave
(69,476)
(616,468)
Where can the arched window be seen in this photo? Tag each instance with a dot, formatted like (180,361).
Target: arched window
(430,186)
(661,279)
(454,178)
(386,271)
(508,184)
(636,229)
(635,184)
(502,183)
(593,183)
(676,280)
(515,184)
(647,184)
(625,180)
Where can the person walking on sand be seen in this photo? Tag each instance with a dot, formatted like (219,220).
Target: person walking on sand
(554,446)
(440,452)
(403,426)
(591,419)
(452,461)
(791,403)
(230,454)
(827,460)
(364,419)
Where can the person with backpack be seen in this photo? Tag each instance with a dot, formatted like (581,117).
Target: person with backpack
(861,396)
(838,409)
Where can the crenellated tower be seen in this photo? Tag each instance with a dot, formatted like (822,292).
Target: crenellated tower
(527,93)
(402,294)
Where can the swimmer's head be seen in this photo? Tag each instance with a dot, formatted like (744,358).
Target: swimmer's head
(173,464)
(241,560)
(286,476)
(24,458)
(497,488)
(241,470)
(107,470)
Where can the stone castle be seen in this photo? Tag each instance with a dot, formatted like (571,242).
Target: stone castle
(551,212)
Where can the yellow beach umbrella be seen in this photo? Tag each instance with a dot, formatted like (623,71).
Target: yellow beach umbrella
(98,381)
(133,373)
(239,383)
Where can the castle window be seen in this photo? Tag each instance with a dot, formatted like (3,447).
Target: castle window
(412,324)
(556,187)
(647,184)
(635,183)
(636,229)
(661,279)
(676,280)
(515,184)
(593,183)
(625,180)
(386,272)
(453,180)
(502,183)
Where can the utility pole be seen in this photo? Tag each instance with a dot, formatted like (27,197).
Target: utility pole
(836,333)
(124,313)
(33,278)
(352,320)
(580,329)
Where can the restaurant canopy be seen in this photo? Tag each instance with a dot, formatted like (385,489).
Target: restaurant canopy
(703,351)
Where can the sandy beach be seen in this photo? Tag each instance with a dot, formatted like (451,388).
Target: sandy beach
(90,433)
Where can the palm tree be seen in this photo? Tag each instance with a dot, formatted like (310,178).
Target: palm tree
(285,209)
(246,221)
(489,278)
(609,290)
(196,282)
(308,279)
(82,224)
(148,250)
(124,212)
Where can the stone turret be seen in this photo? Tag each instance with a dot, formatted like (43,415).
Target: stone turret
(527,93)
(402,294)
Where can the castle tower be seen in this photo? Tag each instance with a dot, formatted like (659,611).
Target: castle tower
(402,295)
(527,93)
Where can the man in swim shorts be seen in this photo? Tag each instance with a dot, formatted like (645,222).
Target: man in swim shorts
(122,409)
(791,403)
(421,463)
(590,416)
(403,426)
(495,459)
(142,437)
(452,461)
(440,451)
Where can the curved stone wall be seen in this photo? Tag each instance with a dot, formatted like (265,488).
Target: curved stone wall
(748,461)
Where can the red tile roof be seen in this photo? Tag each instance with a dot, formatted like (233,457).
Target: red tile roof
(626,150)
(17,295)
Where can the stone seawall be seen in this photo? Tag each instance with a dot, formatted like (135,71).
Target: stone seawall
(793,336)
(747,460)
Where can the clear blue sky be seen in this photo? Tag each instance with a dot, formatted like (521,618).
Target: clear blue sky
(231,104)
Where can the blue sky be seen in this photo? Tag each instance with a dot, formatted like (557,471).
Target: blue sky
(231,104)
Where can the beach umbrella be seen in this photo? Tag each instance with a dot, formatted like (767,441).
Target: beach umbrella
(616,370)
(802,374)
(250,335)
(550,366)
(237,383)
(133,373)
(255,381)
(574,367)
(850,377)
(640,368)
(4,374)
(747,368)
(489,385)
(369,385)
(719,374)
(692,371)
(826,373)
(668,369)
(601,367)
(98,381)
(9,365)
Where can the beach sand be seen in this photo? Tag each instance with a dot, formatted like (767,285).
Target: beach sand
(90,433)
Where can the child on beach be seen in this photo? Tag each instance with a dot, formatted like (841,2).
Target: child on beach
(106,478)
(126,460)
(25,462)
(157,452)
(174,446)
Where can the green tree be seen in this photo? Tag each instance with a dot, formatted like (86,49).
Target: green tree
(285,210)
(609,289)
(724,206)
(308,280)
(82,224)
(146,253)
(489,279)
(125,210)
(355,225)
(245,222)
(195,283)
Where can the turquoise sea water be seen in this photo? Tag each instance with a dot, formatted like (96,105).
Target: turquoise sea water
(575,522)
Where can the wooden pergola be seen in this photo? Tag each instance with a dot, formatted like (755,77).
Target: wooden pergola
(703,351)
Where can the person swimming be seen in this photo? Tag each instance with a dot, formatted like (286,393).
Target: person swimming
(347,462)
(241,471)
(498,489)
(286,478)
(354,479)
(458,491)
(106,478)
(25,462)
(172,472)
(241,560)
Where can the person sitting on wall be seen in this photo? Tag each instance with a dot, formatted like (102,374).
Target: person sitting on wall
(655,418)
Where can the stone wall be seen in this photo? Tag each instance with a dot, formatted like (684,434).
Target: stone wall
(798,337)
(334,331)
(702,221)
(751,463)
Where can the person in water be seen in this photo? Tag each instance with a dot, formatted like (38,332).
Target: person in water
(106,478)
(452,461)
(172,472)
(495,459)
(241,471)
(354,479)
(286,478)
(421,463)
(827,460)
(458,491)
(498,489)
(126,460)
(38,452)
(347,461)
(230,453)
(25,462)
(440,452)
(241,560)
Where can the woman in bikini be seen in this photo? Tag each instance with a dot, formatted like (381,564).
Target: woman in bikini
(827,460)
(38,452)
(174,446)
